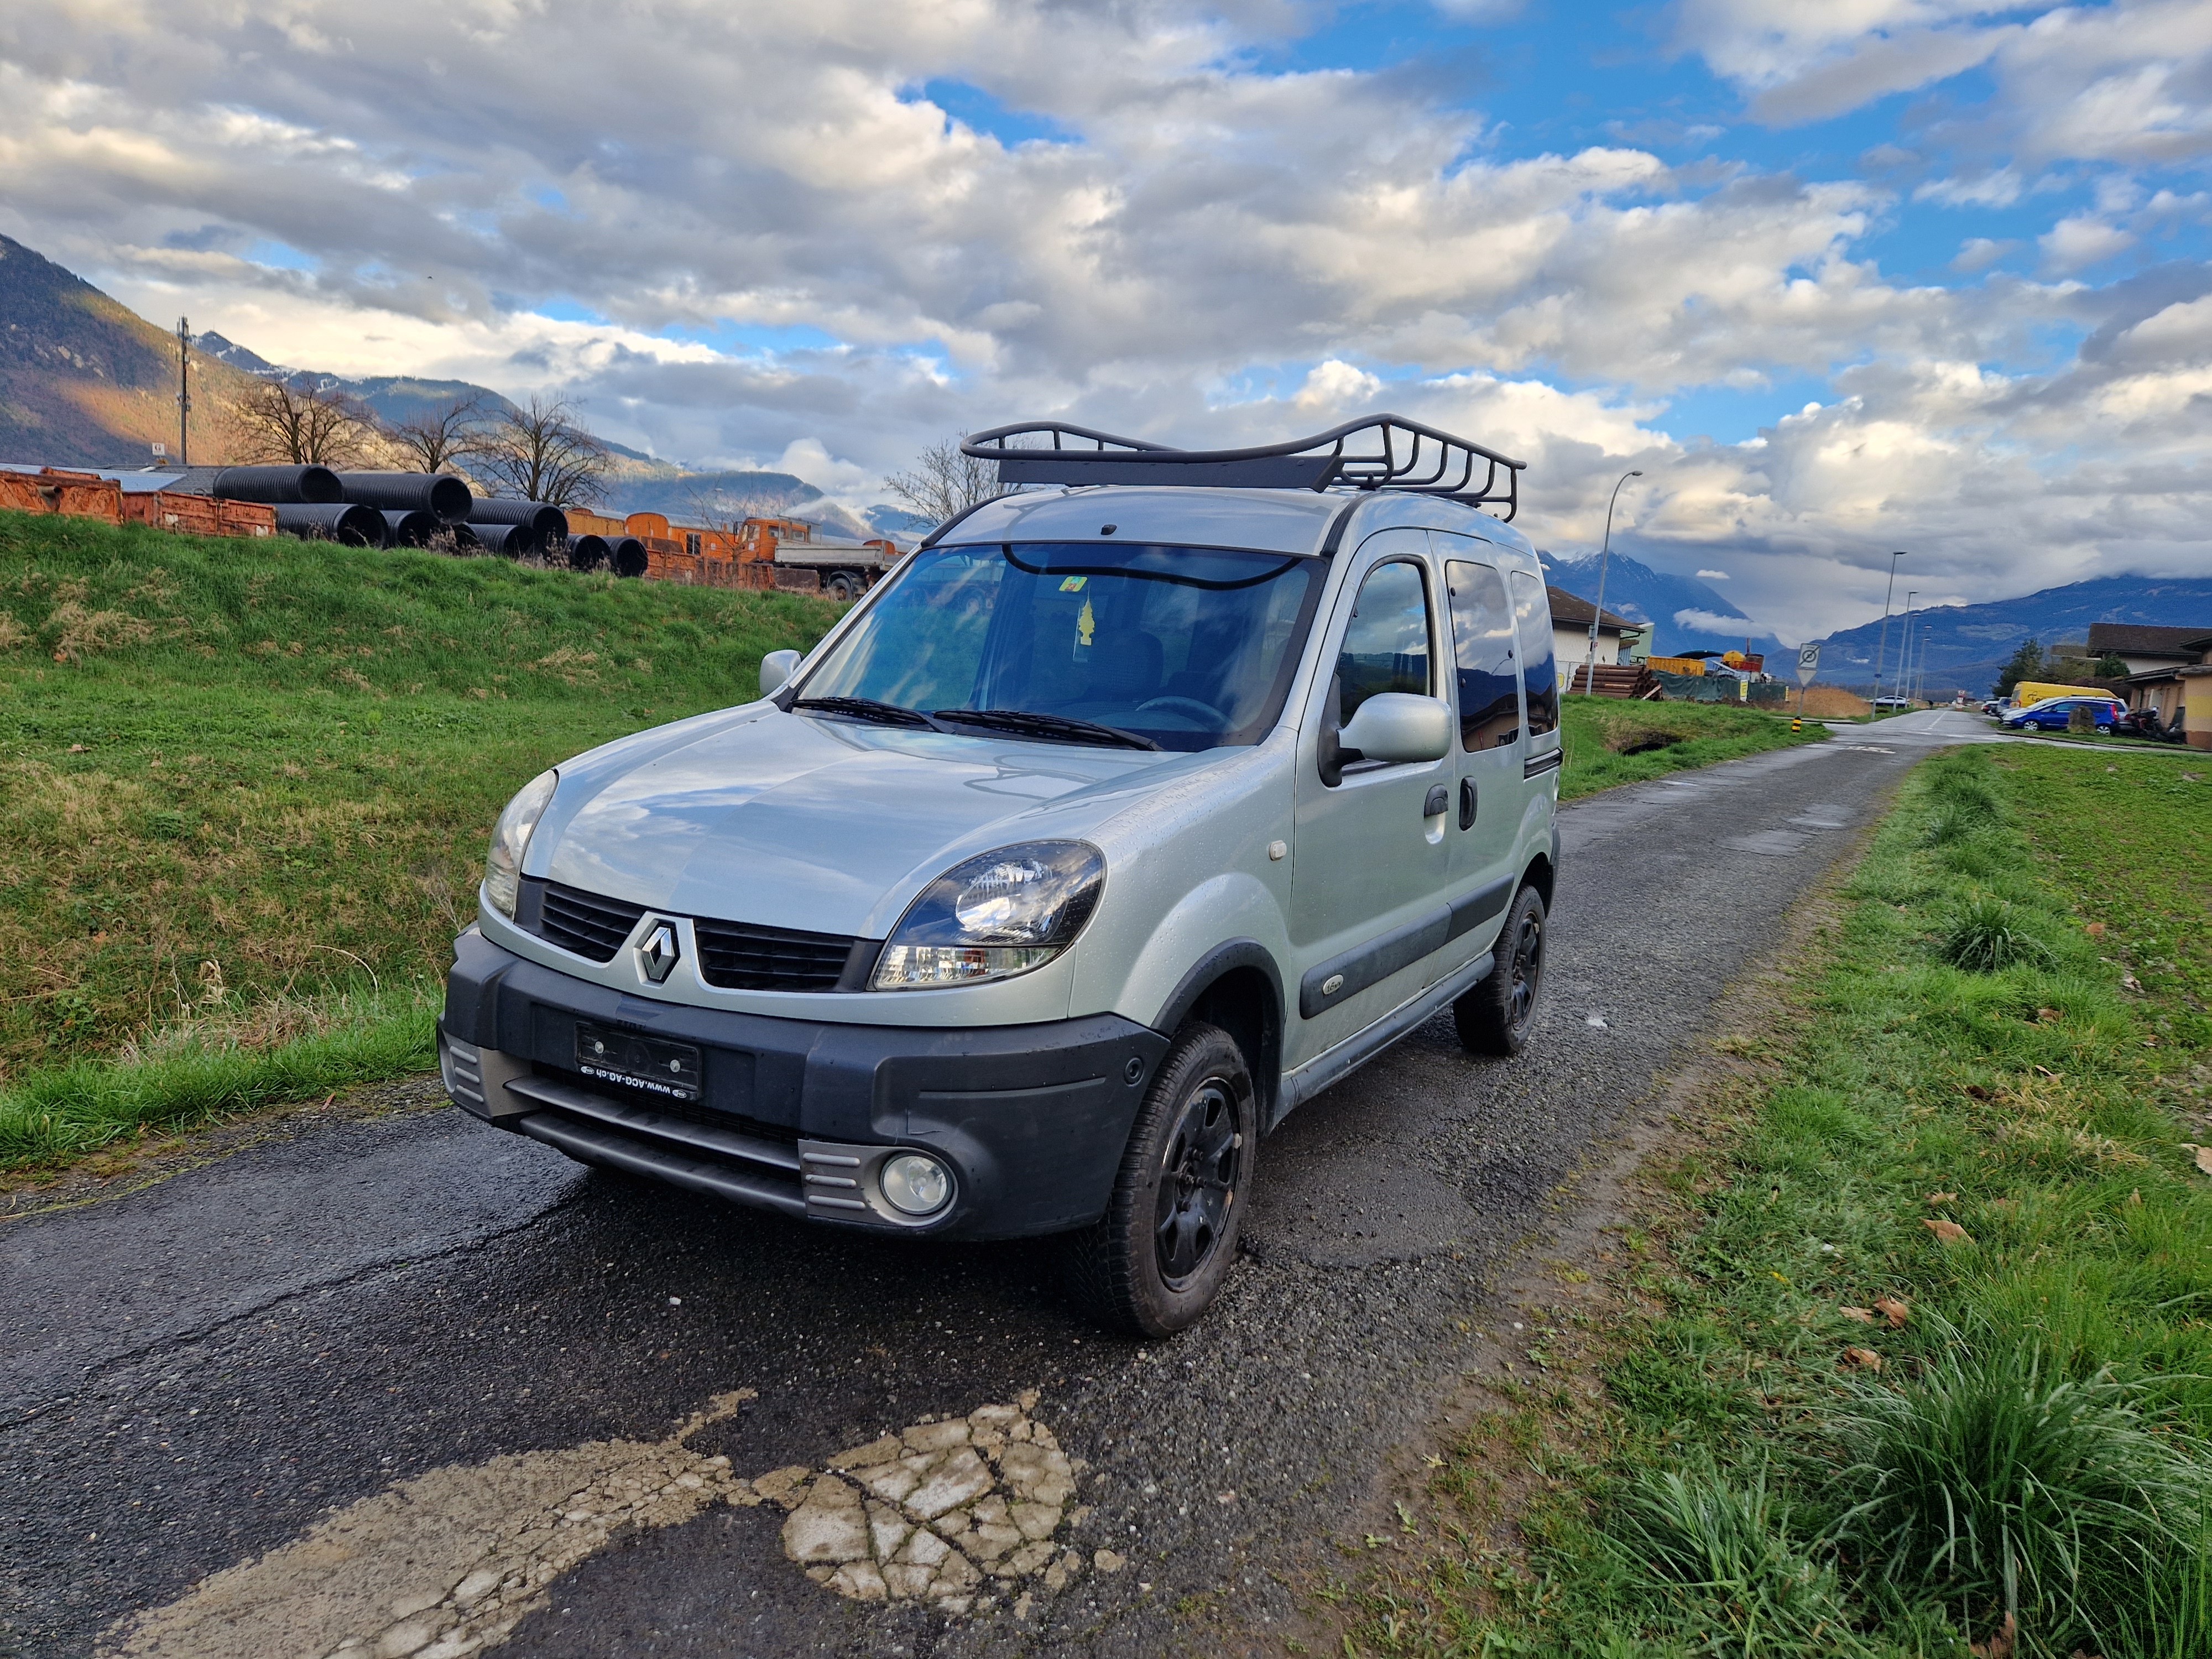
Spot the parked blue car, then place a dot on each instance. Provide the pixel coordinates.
(2054, 713)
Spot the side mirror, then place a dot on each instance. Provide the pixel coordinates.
(1398, 727)
(777, 667)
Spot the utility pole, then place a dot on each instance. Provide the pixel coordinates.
(184, 392)
(1605, 558)
(1905, 650)
(1881, 651)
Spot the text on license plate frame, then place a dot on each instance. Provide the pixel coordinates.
(672, 1070)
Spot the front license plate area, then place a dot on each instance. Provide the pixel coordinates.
(672, 1070)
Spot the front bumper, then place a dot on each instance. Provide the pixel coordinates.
(799, 1116)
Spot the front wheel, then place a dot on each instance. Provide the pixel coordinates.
(1496, 1017)
(1153, 1262)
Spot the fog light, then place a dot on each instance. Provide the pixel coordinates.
(915, 1183)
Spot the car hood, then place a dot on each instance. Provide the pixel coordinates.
(824, 825)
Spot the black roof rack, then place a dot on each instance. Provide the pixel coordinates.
(1396, 454)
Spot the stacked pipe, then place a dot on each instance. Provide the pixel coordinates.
(520, 527)
(407, 509)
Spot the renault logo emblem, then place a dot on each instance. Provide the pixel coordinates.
(656, 954)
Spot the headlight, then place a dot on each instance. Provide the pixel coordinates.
(995, 916)
(510, 837)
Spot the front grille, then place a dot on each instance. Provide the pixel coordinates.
(733, 956)
(738, 956)
(586, 923)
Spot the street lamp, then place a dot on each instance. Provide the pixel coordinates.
(1882, 650)
(1604, 559)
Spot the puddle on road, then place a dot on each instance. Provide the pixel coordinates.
(959, 1514)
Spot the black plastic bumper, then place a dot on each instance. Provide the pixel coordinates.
(1032, 1119)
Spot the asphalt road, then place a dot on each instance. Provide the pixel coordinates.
(192, 1375)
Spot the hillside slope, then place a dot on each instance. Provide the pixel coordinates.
(85, 380)
(1967, 644)
(238, 779)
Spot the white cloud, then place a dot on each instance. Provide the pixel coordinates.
(1711, 622)
(2000, 188)
(2073, 244)
(1712, 575)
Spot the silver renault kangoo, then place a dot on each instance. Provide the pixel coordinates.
(1137, 805)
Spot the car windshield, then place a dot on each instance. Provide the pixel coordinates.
(1176, 647)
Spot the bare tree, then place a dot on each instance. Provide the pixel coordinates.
(300, 422)
(945, 482)
(437, 439)
(726, 509)
(541, 454)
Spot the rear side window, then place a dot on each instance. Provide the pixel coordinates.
(1532, 615)
(1386, 644)
(1482, 645)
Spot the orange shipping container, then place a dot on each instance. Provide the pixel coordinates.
(197, 515)
(18, 493)
(248, 519)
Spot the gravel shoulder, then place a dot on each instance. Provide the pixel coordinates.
(192, 1375)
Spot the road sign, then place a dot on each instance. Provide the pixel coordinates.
(1808, 661)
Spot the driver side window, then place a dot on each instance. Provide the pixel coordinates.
(1386, 644)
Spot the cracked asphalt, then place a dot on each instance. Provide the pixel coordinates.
(193, 1373)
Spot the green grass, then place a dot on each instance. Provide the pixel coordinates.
(245, 790)
(1599, 733)
(2034, 1445)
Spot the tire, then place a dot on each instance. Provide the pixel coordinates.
(1497, 1016)
(1154, 1262)
(841, 589)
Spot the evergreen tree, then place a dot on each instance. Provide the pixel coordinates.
(2027, 664)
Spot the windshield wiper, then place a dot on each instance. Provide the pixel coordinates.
(1024, 723)
(868, 708)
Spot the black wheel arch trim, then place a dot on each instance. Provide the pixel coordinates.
(1223, 959)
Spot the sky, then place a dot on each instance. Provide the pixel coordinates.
(1838, 277)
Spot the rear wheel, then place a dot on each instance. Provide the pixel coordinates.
(1153, 1262)
(1496, 1017)
(840, 588)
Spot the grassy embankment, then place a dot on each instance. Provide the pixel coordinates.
(244, 789)
(1610, 742)
(1920, 1358)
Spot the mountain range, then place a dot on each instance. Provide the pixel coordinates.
(1691, 614)
(84, 381)
(1966, 646)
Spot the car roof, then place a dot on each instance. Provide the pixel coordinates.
(1269, 520)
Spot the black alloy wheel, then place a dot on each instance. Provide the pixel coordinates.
(1497, 1015)
(1155, 1260)
(1198, 1182)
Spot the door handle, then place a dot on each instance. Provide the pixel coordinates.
(1467, 803)
(1437, 804)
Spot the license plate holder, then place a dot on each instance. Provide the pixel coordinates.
(670, 1070)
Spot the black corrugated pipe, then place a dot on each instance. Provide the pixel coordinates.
(587, 552)
(441, 493)
(321, 521)
(626, 555)
(465, 540)
(548, 525)
(279, 486)
(411, 528)
(509, 541)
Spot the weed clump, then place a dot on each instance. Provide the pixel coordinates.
(1998, 1482)
(1989, 934)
